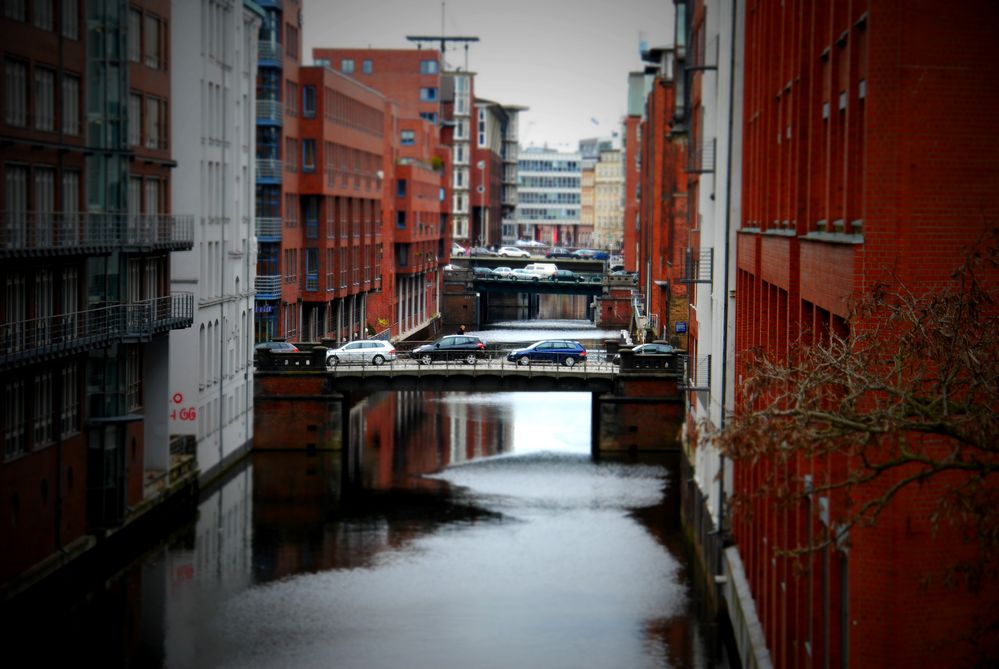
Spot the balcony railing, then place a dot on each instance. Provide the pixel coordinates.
(701, 155)
(270, 110)
(269, 51)
(31, 232)
(268, 229)
(269, 169)
(268, 287)
(696, 372)
(93, 328)
(698, 265)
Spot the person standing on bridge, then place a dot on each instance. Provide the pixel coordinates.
(461, 329)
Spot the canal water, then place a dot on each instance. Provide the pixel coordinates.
(477, 531)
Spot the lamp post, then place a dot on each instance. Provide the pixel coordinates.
(483, 218)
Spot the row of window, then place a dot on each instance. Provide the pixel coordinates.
(548, 182)
(528, 165)
(34, 104)
(42, 15)
(147, 39)
(355, 264)
(36, 408)
(348, 65)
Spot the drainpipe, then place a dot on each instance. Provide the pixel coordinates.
(725, 281)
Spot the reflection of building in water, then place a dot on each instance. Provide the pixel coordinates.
(410, 433)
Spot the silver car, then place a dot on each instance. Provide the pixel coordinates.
(364, 352)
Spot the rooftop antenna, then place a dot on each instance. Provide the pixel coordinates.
(443, 39)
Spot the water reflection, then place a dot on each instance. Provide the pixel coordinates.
(482, 535)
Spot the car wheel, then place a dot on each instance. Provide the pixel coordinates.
(569, 361)
(425, 359)
(524, 362)
(378, 361)
(470, 359)
(332, 361)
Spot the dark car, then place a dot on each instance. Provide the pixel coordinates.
(565, 275)
(481, 251)
(484, 273)
(274, 347)
(556, 351)
(590, 254)
(466, 348)
(559, 252)
(655, 348)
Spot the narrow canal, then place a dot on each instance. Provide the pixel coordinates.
(481, 533)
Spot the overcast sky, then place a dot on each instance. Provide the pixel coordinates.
(568, 60)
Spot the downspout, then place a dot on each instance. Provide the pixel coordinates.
(725, 281)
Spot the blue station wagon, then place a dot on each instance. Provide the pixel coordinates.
(556, 351)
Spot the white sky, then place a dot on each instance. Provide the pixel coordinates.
(568, 60)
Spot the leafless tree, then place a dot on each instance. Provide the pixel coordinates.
(910, 397)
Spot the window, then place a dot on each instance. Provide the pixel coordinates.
(134, 35)
(482, 127)
(407, 138)
(461, 129)
(400, 219)
(400, 187)
(291, 40)
(41, 11)
(13, 410)
(309, 101)
(151, 52)
(291, 154)
(367, 66)
(133, 378)
(291, 98)
(152, 124)
(13, 9)
(70, 104)
(70, 19)
(347, 66)
(44, 99)
(429, 116)
(428, 94)
(134, 119)
(308, 155)
(16, 93)
(69, 418)
(429, 67)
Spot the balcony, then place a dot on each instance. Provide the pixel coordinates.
(701, 155)
(269, 54)
(268, 287)
(268, 229)
(698, 266)
(79, 331)
(269, 170)
(29, 233)
(696, 372)
(270, 112)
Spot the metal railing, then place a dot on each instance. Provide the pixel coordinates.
(701, 155)
(268, 286)
(34, 231)
(268, 227)
(269, 168)
(269, 50)
(698, 265)
(95, 327)
(270, 110)
(696, 372)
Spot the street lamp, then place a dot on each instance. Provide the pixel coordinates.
(483, 213)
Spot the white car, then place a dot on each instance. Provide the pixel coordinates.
(364, 352)
(502, 272)
(458, 250)
(513, 252)
(521, 274)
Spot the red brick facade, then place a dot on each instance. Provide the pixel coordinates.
(870, 153)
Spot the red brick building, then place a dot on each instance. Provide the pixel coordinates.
(870, 153)
(662, 206)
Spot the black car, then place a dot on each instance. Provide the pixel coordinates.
(559, 252)
(655, 348)
(466, 348)
(565, 275)
(484, 273)
(557, 351)
(482, 251)
(273, 347)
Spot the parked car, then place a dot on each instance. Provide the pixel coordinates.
(458, 250)
(513, 252)
(590, 254)
(594, 278)
(654, 348)
(529, 242)
(556, 351)
(559, 252)
(565, 275)
(481, 251)
(542, 269)
(524, 274)
(274, 347)
(482, 273)
(366, 352)
(502, 272)
(466, 348)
